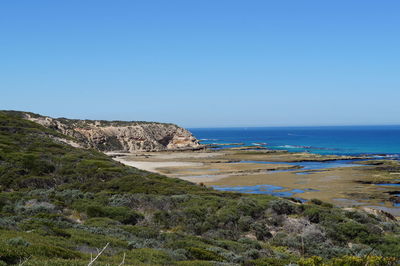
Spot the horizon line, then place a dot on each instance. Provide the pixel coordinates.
(292, 126)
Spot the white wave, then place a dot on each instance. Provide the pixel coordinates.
(291, 147)
(259, 143)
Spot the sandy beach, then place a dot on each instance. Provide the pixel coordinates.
(154, 166)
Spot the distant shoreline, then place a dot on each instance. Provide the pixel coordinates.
(350, 140)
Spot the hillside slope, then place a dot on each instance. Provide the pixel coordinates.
(59, 204)
(120, 136)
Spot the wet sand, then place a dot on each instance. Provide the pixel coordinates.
(340, 186)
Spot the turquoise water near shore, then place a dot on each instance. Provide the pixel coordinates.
(381, 141)
(341, 140)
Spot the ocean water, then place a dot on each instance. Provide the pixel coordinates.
(341, 140)
(382, 141)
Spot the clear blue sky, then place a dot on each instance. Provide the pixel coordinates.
(203, 63)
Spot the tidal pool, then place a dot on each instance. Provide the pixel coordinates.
(395, 204)
(314, 165)
(389, 184)
(264, 189)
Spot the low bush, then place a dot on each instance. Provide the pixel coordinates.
(144, 243)
(245, 222)
(101, 222)
(121, 214)
(353, 230)
(250, 243)
(150, 256)
(13, 254)
(281, 206)
(316, 201)
(261, 231)
(312, 261)
(142, 231)
(366, 260)
(18, 241)
(313, 214)
(43, 227)
(202, 254)
(51, 251)
(267, 262)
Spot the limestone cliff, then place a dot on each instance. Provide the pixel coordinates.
(121, 136)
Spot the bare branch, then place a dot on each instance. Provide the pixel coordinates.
(123, 260)
(23, 262)
(98, 255)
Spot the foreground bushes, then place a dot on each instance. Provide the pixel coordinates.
(218, 234)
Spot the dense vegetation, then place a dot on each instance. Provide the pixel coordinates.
(59, 205)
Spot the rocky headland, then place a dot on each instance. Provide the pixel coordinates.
(120, 136)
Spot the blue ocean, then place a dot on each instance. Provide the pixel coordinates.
(341, 140)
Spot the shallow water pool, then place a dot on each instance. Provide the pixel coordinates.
(314, 165)
(264, 189)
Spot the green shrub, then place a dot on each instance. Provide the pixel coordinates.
(249, 207)
(144, 243)
(312, 261)
(316, 201)
(261, 231)
(282, 206)
(235, 246)
(313, 214)
(361, 261)
(390, 246)
(18, 241)
(3, 201)
(267, 262)
(196, 263)
(150, 256)
(12, 254)
(9, 222)
(43, 227)
(361, 217)
(43, 250)
(250, 243)
(353, 230)
(142, 231)
(121, 214)
(177, 254)
(34, 206)
(245, 222)
(276, 220)
(101, 222)
(203, 254)
(97, 238)
(69, 195)
(162, 218)
(174, 242)
(252, 254)
(55, 262)
(327, 205)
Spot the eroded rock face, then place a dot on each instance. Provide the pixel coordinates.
(121, 136)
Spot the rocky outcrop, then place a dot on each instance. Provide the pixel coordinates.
(121, 136)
